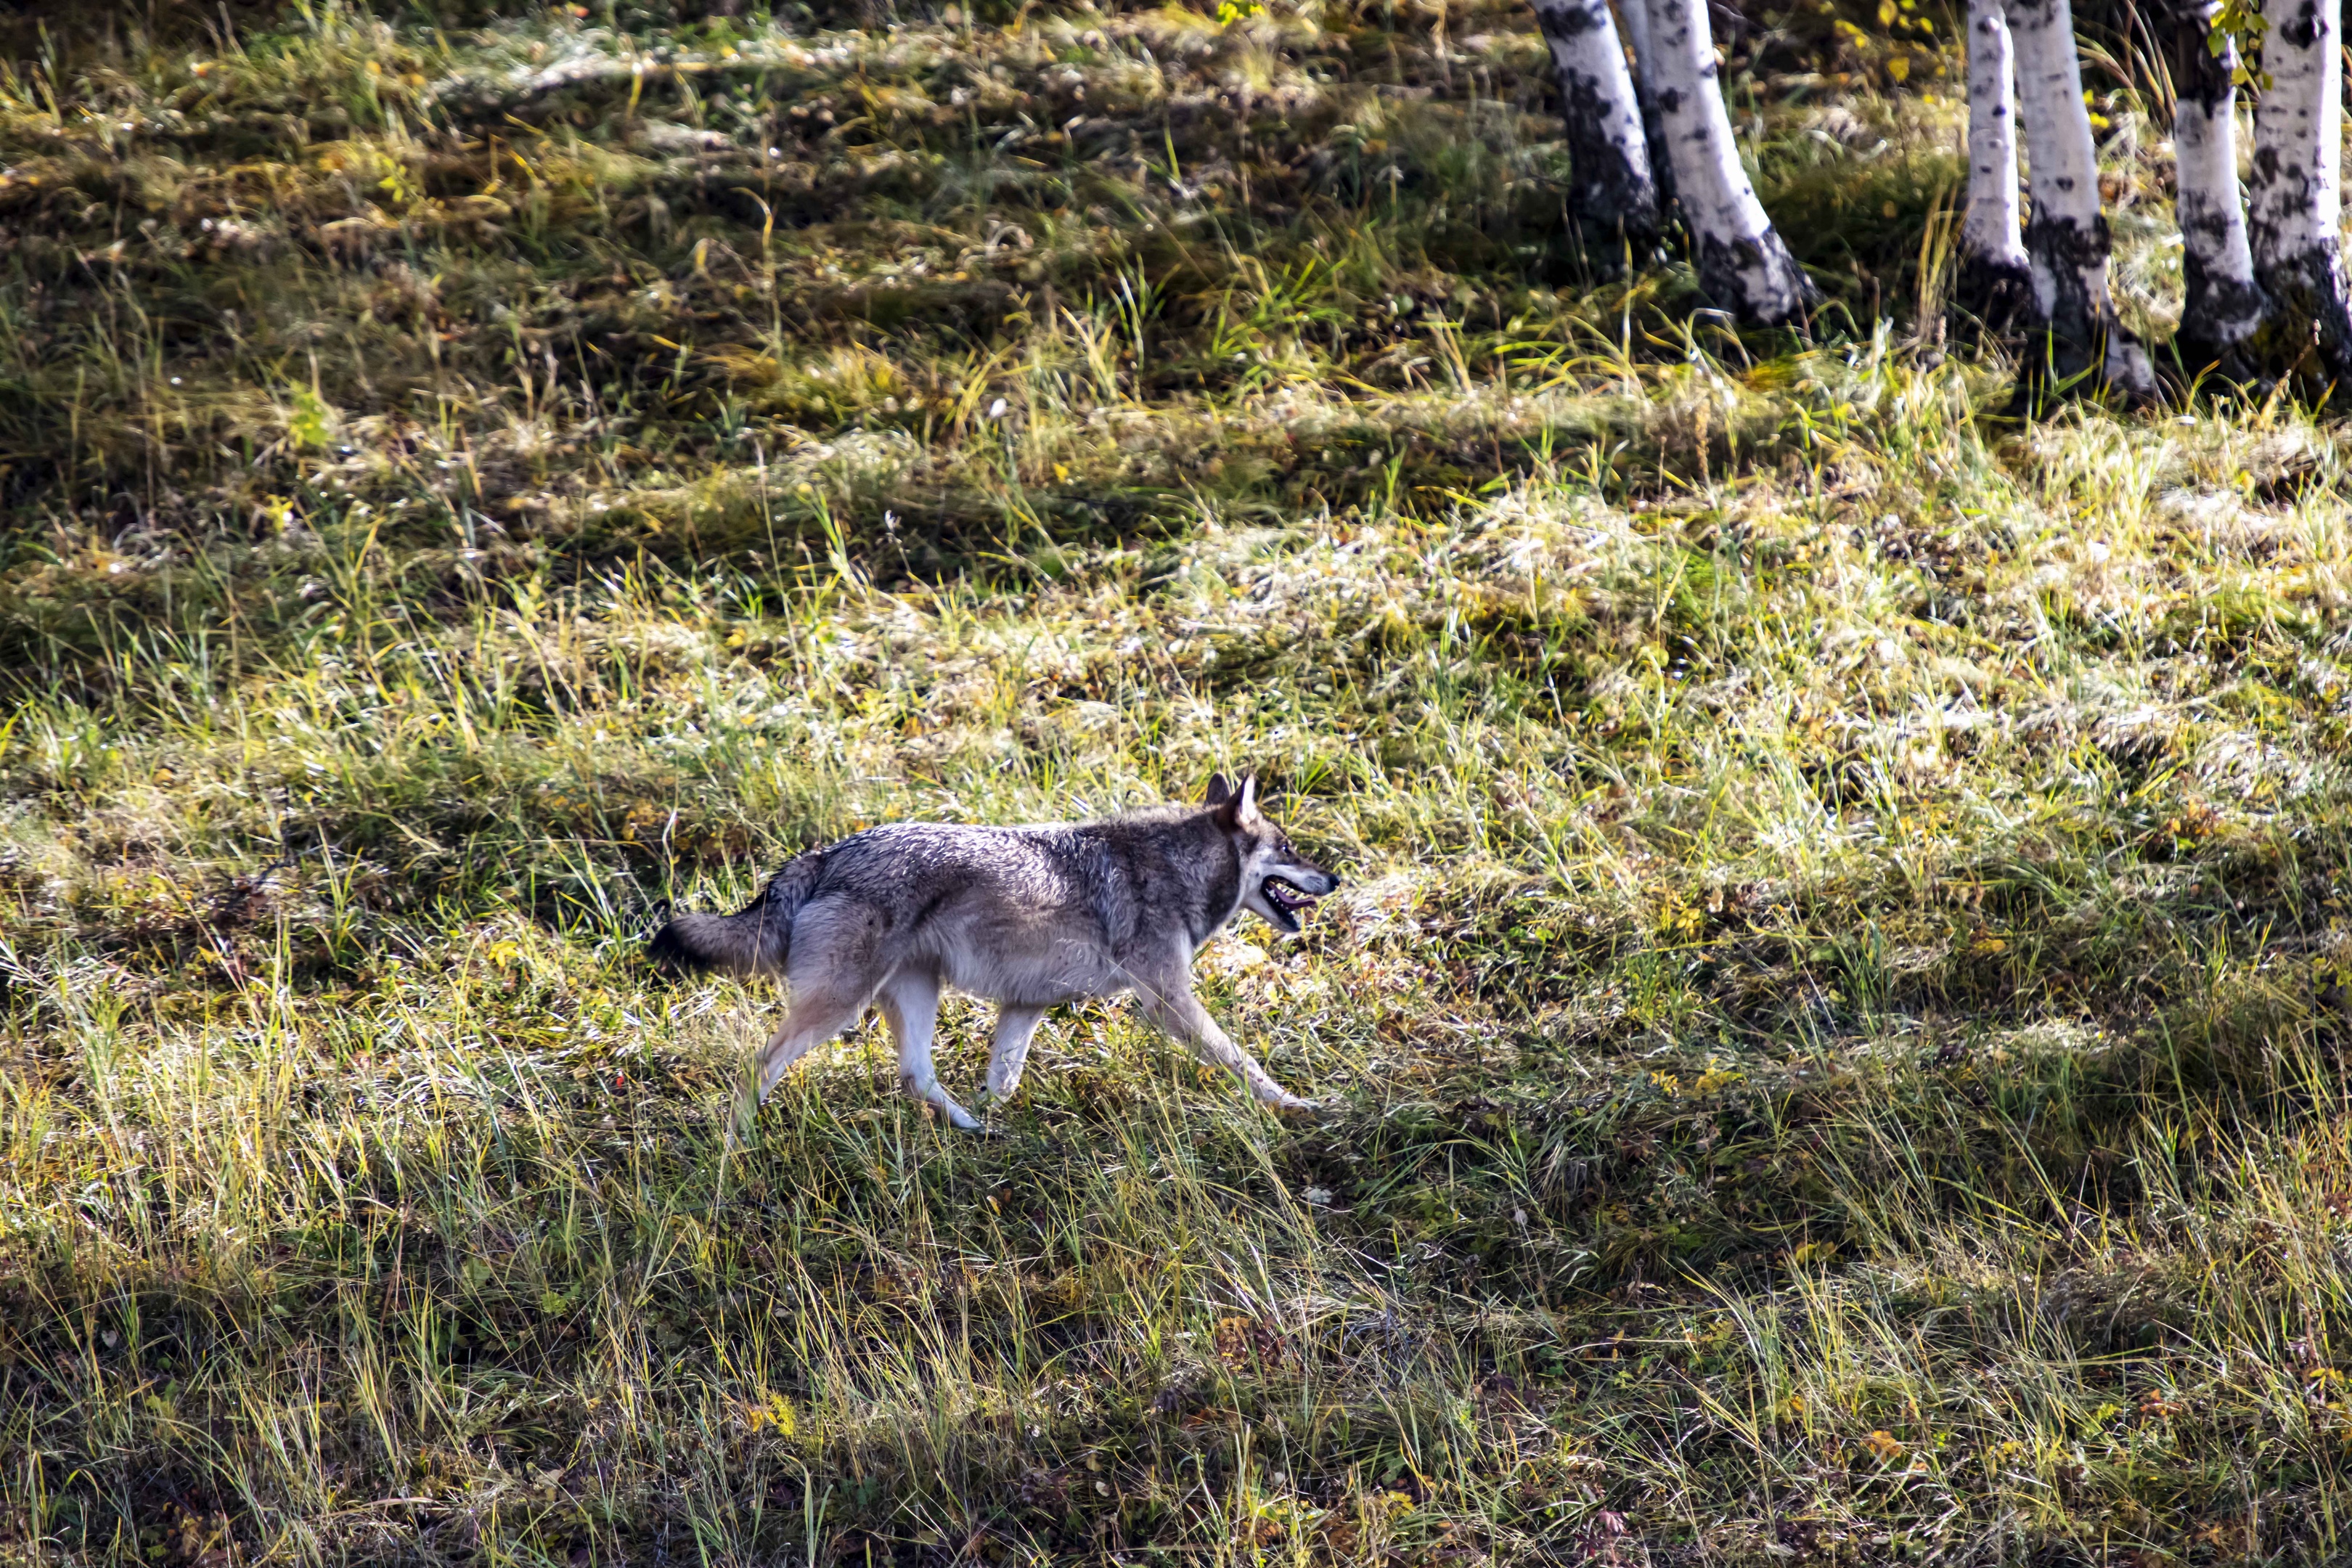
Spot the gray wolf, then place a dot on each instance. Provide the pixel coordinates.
(1029, 917)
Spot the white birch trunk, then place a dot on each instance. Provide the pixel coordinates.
(1995, 280)
(1633, 21)
(1743, 265)
(2297, 199)
(2223, 305)
(2066, 241)
(1613, 190)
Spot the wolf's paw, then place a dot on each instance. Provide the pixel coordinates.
(957, 1117)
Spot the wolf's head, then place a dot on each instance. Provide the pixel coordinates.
(1277, 882)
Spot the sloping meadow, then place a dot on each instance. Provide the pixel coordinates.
(1831, 1040)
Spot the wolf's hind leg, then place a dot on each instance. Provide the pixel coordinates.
(815, 1017)
(1177, 1012)
(911, 1004)
(1015, 1025)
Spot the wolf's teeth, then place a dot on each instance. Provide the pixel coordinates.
(1286, 897)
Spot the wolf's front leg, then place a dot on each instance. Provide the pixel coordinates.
(1015, 1025)
(911, 1004)
(1177, 1012)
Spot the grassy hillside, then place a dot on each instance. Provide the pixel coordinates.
(1833, 1035)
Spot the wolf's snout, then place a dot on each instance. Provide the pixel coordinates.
(1293, 889)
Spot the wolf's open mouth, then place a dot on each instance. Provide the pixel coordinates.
(1285, 898)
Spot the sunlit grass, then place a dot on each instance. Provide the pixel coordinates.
(1833, 1029)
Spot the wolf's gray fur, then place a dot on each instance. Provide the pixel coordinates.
(1028, 917)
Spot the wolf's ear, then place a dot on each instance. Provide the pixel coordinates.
(1246, 804)
(1219, 792)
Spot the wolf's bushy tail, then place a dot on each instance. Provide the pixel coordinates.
(756, 941)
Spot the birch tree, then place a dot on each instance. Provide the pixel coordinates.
(2082, 343)
(1612, 188)
(2296, 196)
(2223, 305)
(1995, 279)
(1743, 265)
(1633, 21)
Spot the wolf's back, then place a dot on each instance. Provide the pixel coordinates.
(755, 941)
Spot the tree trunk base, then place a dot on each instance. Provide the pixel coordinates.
(1757, 281)
(1995, 293)
(2101, 362)
(2080, 349)
(2308, 334)
(2223, 326)
(2197, 362)
(1615, 251)
(2223, 323)
(1612, 193)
